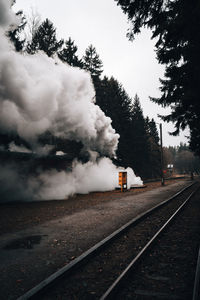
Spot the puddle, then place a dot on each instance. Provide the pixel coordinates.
(27, 242)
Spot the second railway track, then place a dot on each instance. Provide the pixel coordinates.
(91, 274)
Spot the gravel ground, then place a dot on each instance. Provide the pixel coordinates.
(40, 237)
(92, 279)
(168, 271)
(18, 216)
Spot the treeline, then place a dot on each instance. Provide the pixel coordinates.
(182, 158)
(139, 141)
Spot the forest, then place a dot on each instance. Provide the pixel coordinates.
(139, 143)
(180, 160)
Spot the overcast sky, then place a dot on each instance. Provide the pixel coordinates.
(103, 24)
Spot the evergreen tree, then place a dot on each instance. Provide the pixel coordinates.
(92, 62)
(176, 25)
(195, 139)
(68, 54)
(139, 140)
(116, 104)
(154, 155)
(45, 39)
(153, 130)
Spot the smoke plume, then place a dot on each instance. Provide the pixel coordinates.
(39, 94)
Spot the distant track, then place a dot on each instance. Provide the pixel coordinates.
(99, 252)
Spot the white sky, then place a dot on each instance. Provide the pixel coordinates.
(103, 24)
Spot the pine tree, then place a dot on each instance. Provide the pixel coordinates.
(139, 139)
(175, 25)
(68, 54)
(195, 139)
(92, 62)
(45, 39)
(154, 155)
(152, 130)
(116, 104)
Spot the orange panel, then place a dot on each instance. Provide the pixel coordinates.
(122, 178)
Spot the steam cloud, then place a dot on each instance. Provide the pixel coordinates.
(40, 94)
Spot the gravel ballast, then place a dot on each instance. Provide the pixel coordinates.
(38, 238)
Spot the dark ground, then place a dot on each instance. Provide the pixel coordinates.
(18, 216)
(40, 237)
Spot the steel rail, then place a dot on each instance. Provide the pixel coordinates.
(196, 289)
(94, 249)
(111, 291)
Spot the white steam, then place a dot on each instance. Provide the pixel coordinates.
(40, 94)
(85, 178)
(37, 95)
(7, 17)
(54, 185)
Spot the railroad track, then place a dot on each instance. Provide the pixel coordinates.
(102, 271)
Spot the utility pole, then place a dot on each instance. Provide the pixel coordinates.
(161, 157)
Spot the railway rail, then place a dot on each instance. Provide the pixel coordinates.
(101, 271)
